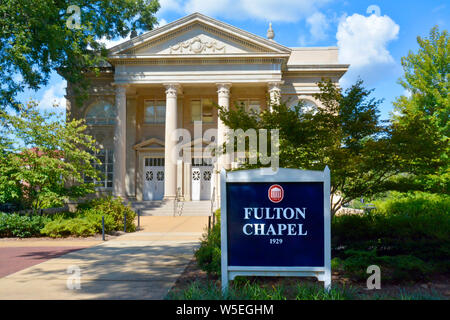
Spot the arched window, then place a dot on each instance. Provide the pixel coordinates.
(101, 113)
(308, 105)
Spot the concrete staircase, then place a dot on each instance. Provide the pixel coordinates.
(166, 208)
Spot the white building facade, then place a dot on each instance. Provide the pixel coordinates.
(171, 78)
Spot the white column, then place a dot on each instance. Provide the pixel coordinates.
(170, 168)
(120, 142)
(274, 93)
(224, 161)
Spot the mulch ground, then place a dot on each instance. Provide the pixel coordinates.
(439, 285)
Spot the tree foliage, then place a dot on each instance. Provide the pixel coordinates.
(43, 158)
(35, 39)
(345, 134)
(421, 120)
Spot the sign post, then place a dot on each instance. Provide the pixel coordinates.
(275, 224)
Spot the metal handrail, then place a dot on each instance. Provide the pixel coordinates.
(178, 204)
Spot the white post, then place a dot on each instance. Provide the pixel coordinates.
(223, 230)
(120, 142)
(327, 228)
(170, 168)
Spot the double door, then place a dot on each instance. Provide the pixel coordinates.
(153, 179)
(201, 182)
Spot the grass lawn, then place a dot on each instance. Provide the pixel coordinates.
(195, 284)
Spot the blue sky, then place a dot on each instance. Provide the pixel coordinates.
(372, 41)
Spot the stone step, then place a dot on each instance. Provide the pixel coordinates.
(166, 208)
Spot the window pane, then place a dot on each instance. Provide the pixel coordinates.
(242, 102)
(154, 111)
(160, 114)
(101, 113)
(254, 106)
(207, 106)
(196, 110)
(149, 111)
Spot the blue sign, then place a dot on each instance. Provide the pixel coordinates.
(275, 224)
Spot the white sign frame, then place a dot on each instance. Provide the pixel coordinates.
(280, 176)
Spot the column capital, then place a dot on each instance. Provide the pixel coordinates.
(223, 89)
(275, 85)
(172, 89)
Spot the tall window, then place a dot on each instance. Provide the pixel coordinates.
(251, 105)
(202, 110)
(106, 169)
(154, 111)
(102, 113)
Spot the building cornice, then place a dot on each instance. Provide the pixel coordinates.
(295, 70)
(199, 59)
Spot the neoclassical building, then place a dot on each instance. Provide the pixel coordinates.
(172, 77)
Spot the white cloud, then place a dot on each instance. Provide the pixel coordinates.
(161, 22)
(54, 95)
(170, 5)
(363, 42)
(282, 10)
(111, 43)
(303, 42)
(318, 26)
(268, 10)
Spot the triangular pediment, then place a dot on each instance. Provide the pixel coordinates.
(152, 143)
(198, 143)
(197, 34)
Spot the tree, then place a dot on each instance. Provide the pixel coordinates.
(44, 159)
(420, 124)
(345, 134)
(39, 36)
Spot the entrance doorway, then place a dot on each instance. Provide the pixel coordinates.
(153, 179)
(201, 177)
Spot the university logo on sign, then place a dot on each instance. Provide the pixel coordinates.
(276, 193)
(276, 225)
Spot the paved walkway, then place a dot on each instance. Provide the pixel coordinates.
(14, 258)
(141, 265)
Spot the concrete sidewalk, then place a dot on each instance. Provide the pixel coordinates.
(141, 265)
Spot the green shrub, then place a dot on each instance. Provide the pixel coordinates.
(407, 236)
(209, 255)
(414, 204)
(22, 226)
(87, 221)
(81, 227)
(95, 218)
(112, 208)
